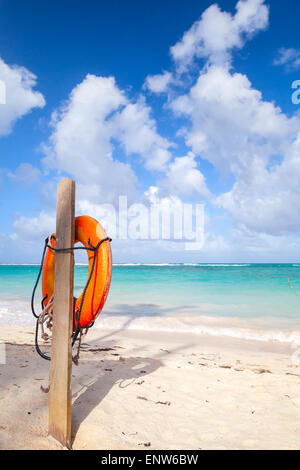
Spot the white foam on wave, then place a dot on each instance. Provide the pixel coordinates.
(221, 265)
(212, 326)
(19, 264)
(145, 264)
(18, 312)
(183, 264)
(15, 312)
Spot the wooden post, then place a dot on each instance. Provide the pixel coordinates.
(60, 404)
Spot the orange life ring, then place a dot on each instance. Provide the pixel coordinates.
(87, 230)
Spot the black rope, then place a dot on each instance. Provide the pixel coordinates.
(78, 312)
(37, 280)
(43, 355)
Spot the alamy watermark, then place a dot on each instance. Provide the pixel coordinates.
(2, 353)
(296, 93)
(295, 357)
(163, 220)
(2, 92)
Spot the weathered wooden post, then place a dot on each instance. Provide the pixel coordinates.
(60, 403)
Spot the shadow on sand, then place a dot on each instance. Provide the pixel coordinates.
(111, 369)
(25, 370)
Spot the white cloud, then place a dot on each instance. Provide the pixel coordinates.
(240, 133)
(266, 200)
(158, 83)
(217, 33)
(26, 174)
(227, 122)
(267, 246)
(20, 97)
(230, 122)
(80, 143)
(85, 129)
(234, 128)
(25, 244)
(136, 131)
(34, 228)
(184, 179)
(290, 58)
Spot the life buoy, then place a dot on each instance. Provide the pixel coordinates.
(89, 232)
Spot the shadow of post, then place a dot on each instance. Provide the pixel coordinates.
(112, 372)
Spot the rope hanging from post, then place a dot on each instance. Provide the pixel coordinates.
(46, 316)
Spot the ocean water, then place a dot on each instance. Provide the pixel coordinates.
(253, 301)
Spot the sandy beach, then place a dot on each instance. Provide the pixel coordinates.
(156, 390)
(149, 192)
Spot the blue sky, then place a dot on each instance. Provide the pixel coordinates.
(183, 102)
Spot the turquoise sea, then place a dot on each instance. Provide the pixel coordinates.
(247, 300)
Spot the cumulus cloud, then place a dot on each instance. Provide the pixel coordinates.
(26, 242)
(289, 57)
(234, 128)
(217, 33)
(226, 121)
(158, 83)
(34, 228)
(268, 247)
(87, 127)
(80, 143)
(252, 139)
(20, 97)
(183, 178)
(266, 200)
(137, 133)
(230, 121)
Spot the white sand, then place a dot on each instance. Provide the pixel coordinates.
(170, 390)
